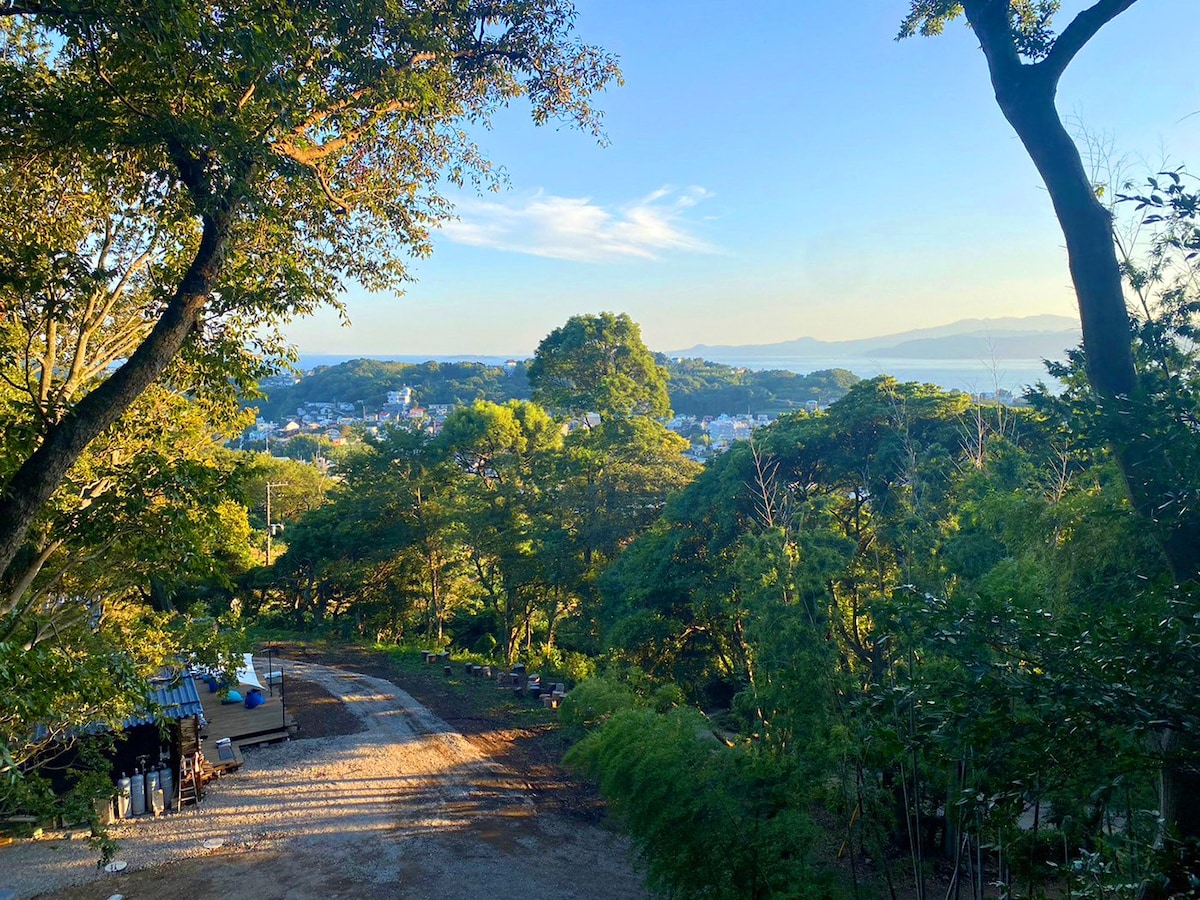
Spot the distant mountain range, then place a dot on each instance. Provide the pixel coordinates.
(970, 354)
(1009, 338)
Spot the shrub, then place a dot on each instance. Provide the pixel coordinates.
(710, 821)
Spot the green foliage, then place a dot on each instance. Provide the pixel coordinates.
(595, 701)
(218, 173)
(932, 611)
(555, 663)
(490, 534)
(366, 382)
(710, 821)
(598, 364)
(307, 447)
(698, 388)
(1028, 20)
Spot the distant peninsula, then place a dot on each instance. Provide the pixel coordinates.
(1007, 338)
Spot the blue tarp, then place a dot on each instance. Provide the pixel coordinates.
(174, 699)
(177, 700)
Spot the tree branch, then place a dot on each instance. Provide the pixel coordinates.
(1081, 30)
(33, 8)
(307, 156)
(342, 207)
(26, 580)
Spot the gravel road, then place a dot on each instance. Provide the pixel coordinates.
(405, 808)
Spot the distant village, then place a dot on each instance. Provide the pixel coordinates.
(340, 423)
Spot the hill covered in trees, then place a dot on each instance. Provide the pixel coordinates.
(699, 388)
(696, 387)
(367, 381)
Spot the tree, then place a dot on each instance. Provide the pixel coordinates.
(1026, 59)
(249, 159)
(940, 635)
(598, 364)
(147, 523)
(503, 452)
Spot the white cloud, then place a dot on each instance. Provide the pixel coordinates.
(577, 228)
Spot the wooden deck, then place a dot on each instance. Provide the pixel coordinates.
(261, 725)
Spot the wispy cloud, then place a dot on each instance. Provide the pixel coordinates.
(577, 228)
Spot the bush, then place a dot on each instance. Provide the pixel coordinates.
(710, 821)
(594, 702)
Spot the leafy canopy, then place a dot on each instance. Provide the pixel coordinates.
(1029, 21)
(326, 125)
(227, 166)
(598, 364)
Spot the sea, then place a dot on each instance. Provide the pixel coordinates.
(973, 376)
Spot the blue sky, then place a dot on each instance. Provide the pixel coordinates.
(776, 170)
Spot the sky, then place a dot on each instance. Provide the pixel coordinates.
(777, 169)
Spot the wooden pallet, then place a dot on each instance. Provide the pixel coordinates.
(271, 738)
(225, 759)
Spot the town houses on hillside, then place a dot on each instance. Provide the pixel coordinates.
(339, 422)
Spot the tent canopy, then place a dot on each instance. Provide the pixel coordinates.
(246, 674)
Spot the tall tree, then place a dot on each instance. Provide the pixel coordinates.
(503, 451)
(1026, 60)
(598, 364)
(255, 156)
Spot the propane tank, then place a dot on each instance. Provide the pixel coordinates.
(151, 791)
(138, 786)
(123, 796)
(167, 782)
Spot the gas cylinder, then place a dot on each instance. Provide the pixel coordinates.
(138, 787)
(167, 782)
(123, 796)
(151, 790)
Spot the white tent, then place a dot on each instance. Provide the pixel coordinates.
(246, 674)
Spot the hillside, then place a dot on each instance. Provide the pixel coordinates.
(696, 387)
(366, 382)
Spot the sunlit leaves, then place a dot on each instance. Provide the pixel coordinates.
(598, 364)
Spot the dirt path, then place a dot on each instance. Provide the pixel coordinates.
(406, 807)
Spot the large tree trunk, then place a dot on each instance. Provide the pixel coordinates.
(38, 477)
(1025, 94)
(1028, 104)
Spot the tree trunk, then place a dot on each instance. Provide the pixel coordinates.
(1025, 94)
(1028, 104)
(40, 475)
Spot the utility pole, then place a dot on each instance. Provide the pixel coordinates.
(270, 524)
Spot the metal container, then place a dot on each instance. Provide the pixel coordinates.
(151, 790)
(167, 781)
(124, 790)
(138, 798)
